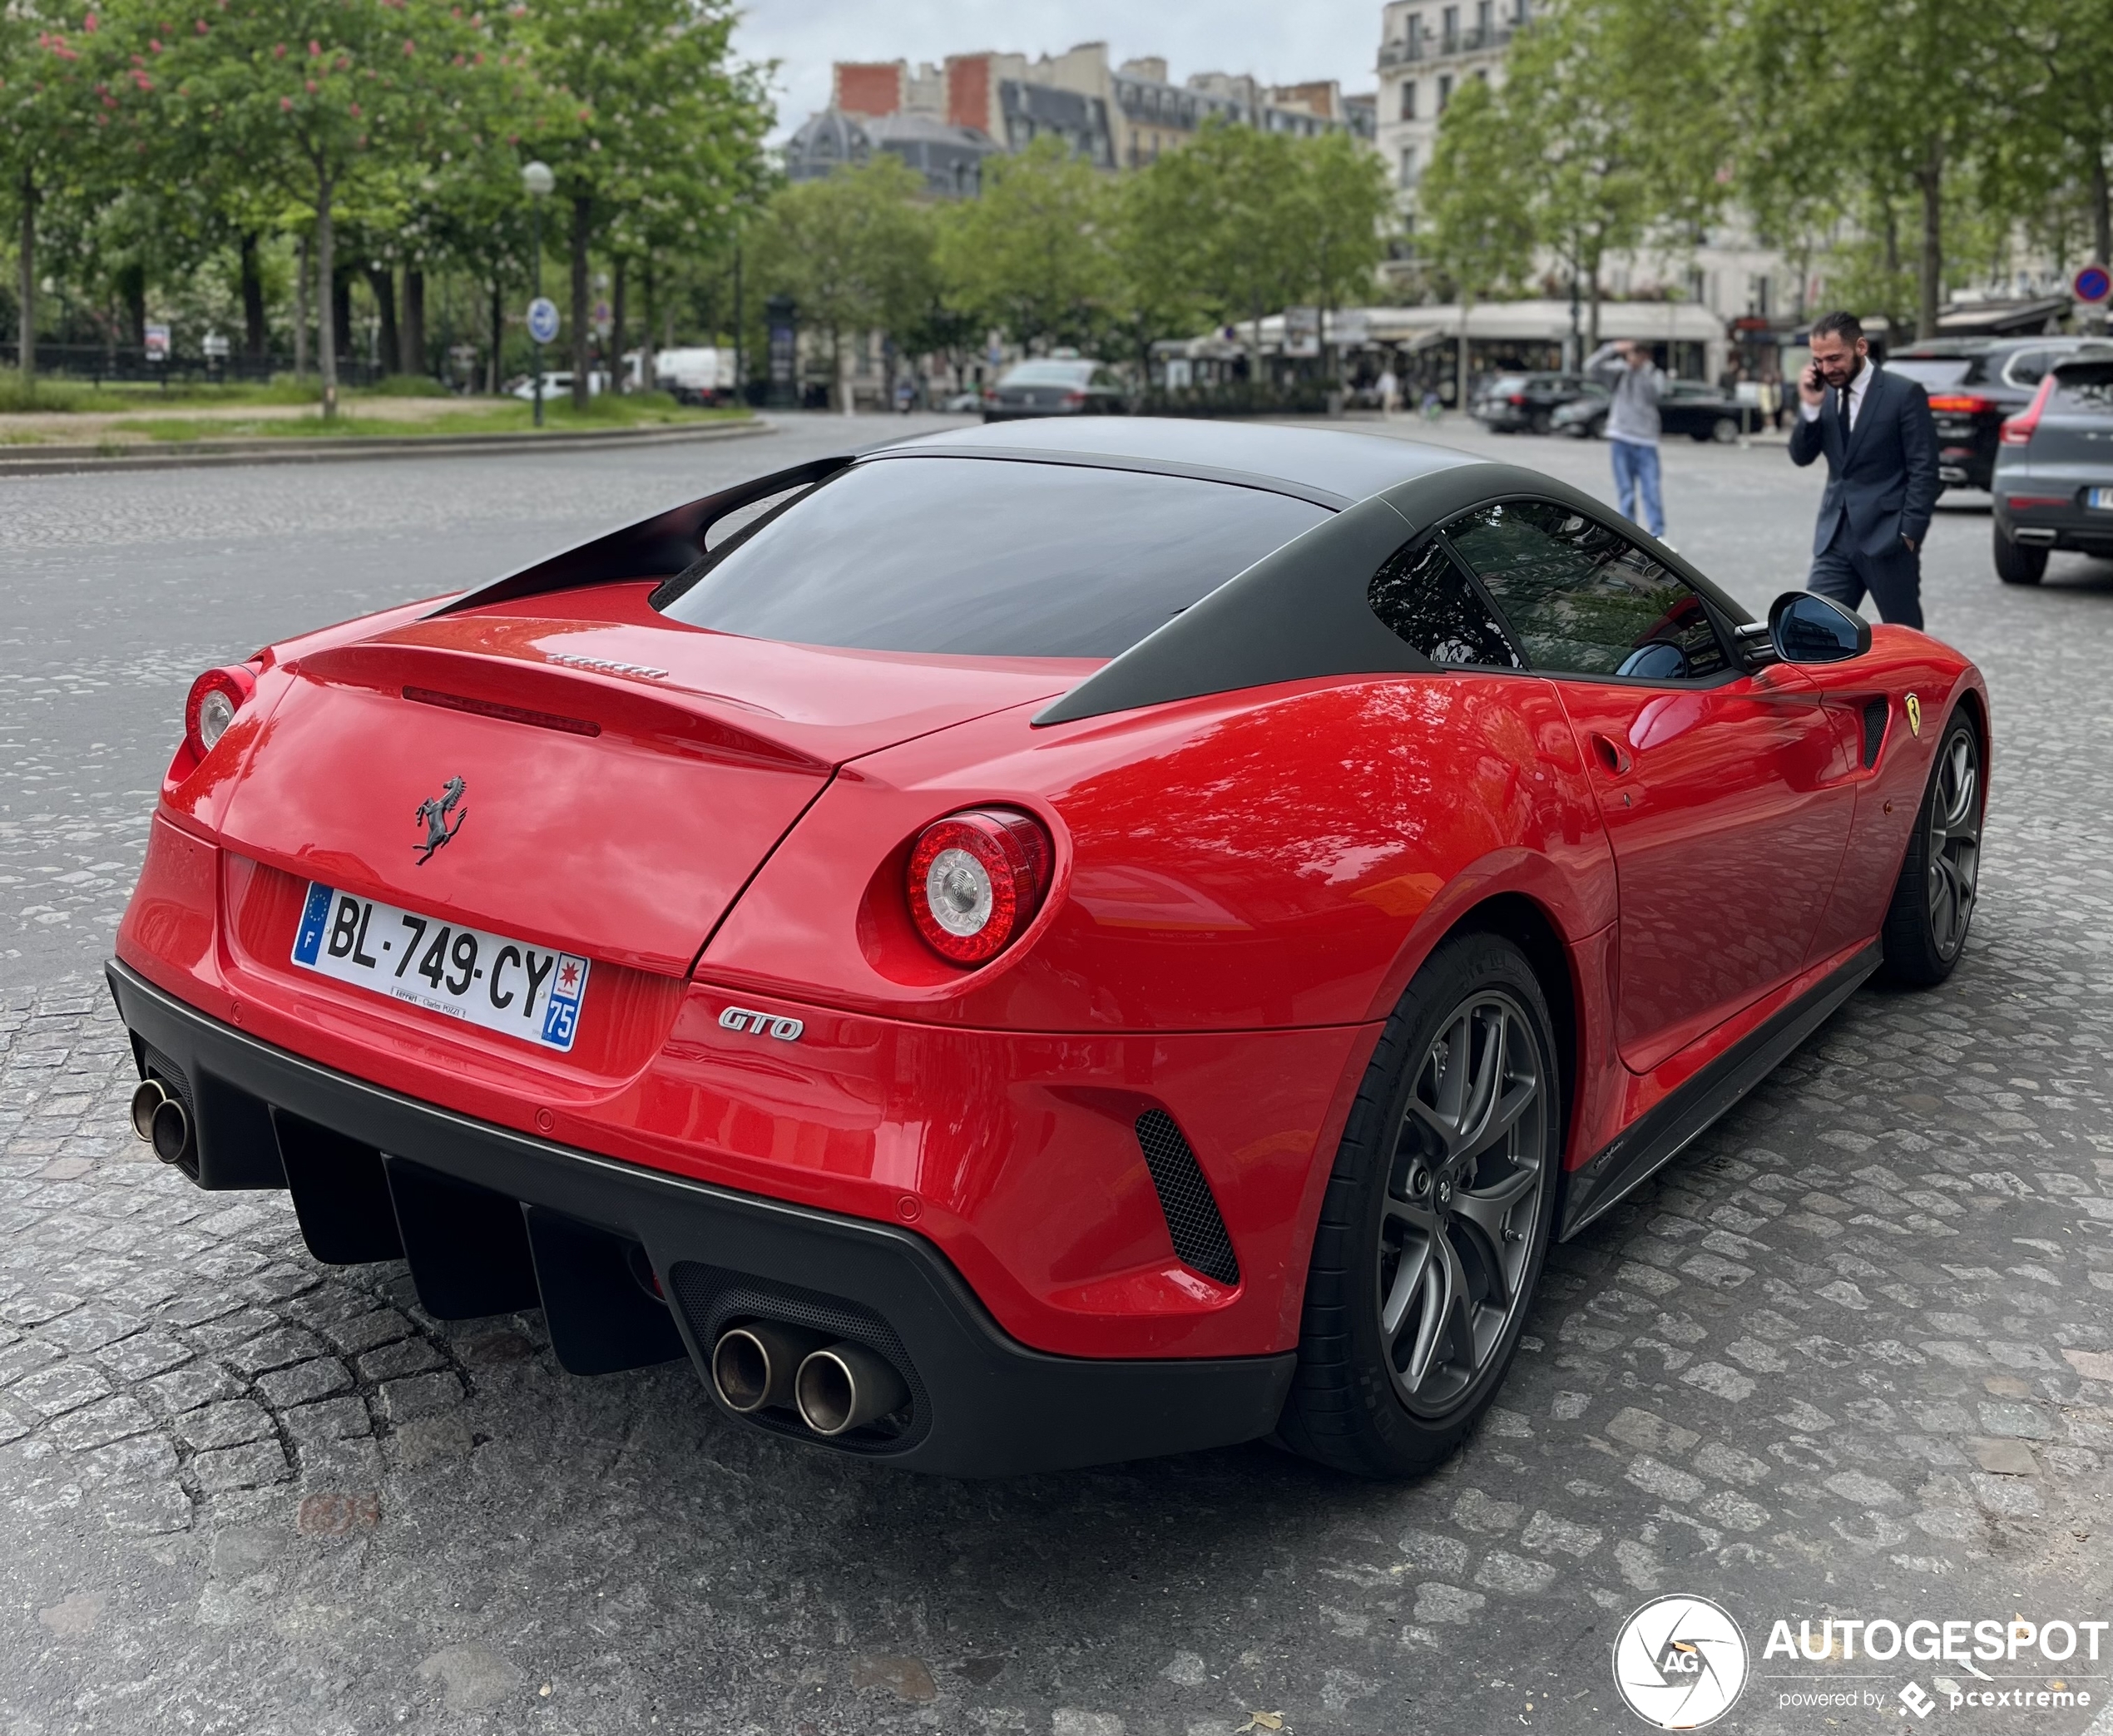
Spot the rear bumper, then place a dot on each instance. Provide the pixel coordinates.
(493, 1220)
(2071, 527)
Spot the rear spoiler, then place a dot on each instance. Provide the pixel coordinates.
(657, 547)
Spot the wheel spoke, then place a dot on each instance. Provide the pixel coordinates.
(1408, 1279)
(1446, 1133)
(1488, 1209)
(1487, 1083)
(1514, 1104)
(1438, 1288)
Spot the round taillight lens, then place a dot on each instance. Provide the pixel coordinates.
(216, 697)
(975, 881)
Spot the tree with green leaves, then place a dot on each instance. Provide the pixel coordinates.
(1468, 233)
(856, 252)
(1034, 255)
(654, 120)
(319, 97)
(1341, 208)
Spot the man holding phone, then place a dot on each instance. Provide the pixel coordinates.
(1875, 431)
(1635, 383)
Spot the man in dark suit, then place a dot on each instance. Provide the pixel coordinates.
(1875, 431)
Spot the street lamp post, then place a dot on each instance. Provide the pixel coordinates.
(539, 182)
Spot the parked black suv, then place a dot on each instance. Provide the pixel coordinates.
(1974, 383)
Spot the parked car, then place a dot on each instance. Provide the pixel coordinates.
(1688, 407)
(1056, 388)
(2053, 480)
(1513, 403)
(1974, 385)
(701, 375)
(959, 403)
(1054, 945)
(558, 382)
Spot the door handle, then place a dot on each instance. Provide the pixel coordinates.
(1612, 754)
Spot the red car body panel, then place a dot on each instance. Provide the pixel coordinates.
(1243, 886)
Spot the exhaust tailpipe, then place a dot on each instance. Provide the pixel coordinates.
(150, 1097)
(170, 1131)
(846, 1385)
(755, 1367)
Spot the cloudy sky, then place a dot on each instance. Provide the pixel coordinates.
(1282, 43)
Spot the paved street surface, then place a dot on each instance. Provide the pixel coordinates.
(1852, 1357)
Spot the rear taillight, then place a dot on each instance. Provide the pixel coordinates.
(975, 881)
(2016, 501)
(1517, 400)
(2017, 431)
(1074, 397)
(1962, 404)
(215, 698)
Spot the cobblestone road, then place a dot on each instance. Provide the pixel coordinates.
(1853, 1356)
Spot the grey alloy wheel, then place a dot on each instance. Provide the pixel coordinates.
(1954, 843)
(1463, 1196)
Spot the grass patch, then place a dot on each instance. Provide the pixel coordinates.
(651, 409)
(44, 395)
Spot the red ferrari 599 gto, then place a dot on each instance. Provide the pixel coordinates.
(1041, 945)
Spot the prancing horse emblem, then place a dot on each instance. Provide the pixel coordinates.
(433, 814)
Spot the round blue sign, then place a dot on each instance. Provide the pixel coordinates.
(542, 319)
(2093, 284)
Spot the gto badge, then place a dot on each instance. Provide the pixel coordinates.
(763, 1024)
(433, 814)
(1914, 716)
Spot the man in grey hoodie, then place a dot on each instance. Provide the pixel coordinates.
(1627, 371)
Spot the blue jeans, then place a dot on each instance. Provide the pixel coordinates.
(1635, 470)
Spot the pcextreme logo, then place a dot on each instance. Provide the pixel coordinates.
(1679, 1663)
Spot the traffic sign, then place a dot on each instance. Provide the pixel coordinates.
(2092, 284)
(542, 319)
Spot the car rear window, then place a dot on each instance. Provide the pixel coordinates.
(1931, 372)
(1049, 374)
(2084, 389)
(988, 558)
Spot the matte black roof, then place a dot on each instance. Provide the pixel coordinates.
(1329, 461)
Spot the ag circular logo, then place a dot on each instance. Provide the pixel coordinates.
(1679, 1663)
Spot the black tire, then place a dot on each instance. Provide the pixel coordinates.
(2016, 564)
(1724, 430)
(1933, 900)
(1540, 422)
(1391, 1405)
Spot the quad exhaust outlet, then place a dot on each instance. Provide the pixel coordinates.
(159, 1118)
(835, 1387)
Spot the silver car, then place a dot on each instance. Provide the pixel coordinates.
(2054, 472)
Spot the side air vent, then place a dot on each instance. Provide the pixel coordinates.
(1875, 713)
(1185, 1196)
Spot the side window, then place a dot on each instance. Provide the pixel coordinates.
(2029, 367)
(1582, 599)
(1422, 594)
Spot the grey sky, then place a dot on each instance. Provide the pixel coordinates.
(1281, 42)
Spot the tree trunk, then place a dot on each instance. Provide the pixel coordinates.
(301, 281)
(1930, 178)
(499, 334)
(326, 297)
(648, 374)
(617, 379)
(411, 337)
(256, 334)
(1592, 286)
(381, 280)
(2101, 216)
(25, 307)
(846, 399)
(132, 285)
(582, 312)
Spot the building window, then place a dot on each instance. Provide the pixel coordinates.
(1413, 30)
(1697, 283)
(1449, 22)
(1485, 20)
(1408, 166)
(1445, 91)
(1765, 296)
(1409, 99)
(1521, 12)
(1481, 75)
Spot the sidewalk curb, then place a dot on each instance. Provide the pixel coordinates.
(197, 454)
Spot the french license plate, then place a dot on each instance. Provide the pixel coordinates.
(505, 986)
(2100, 500)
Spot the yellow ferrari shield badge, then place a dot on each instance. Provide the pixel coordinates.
(1914, 714)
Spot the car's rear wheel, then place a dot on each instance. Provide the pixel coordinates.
(1541, 422)
(2016, 563)
(1724, 430)
(1933, 901)
(1436, 1221)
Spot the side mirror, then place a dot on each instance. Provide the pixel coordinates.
(1805, 628)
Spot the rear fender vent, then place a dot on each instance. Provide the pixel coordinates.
(1875, 714)
(1185, 1196)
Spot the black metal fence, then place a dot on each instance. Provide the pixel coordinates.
(98, 364)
